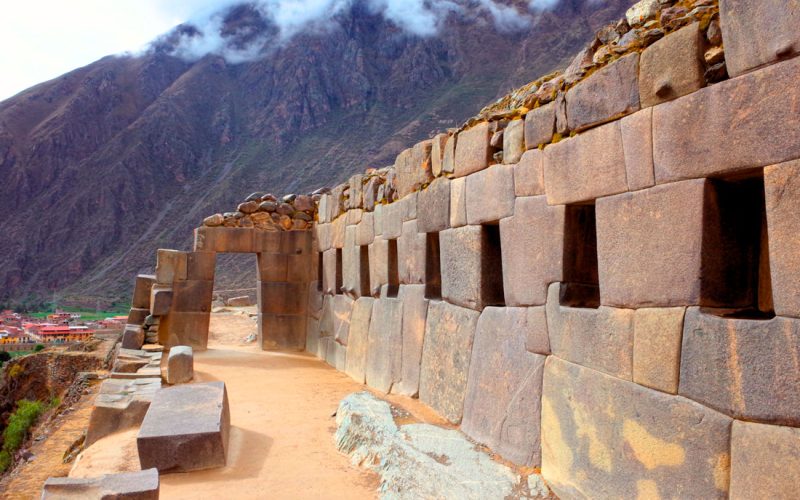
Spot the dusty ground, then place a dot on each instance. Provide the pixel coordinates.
(282, 426)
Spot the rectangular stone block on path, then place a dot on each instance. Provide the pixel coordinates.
(607, 438)
(758, 33)
(446, 356)
(180, 365)
(532, 249)
(502, 404)
(740, 115)
(358, 339)
(747, 369)
(186, 428)
(384, 344)
(139, 485)
(121, 404)
(617, 83)
(585, 167)
(765, 461)
(600, 338)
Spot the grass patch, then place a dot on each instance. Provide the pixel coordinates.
(19, 423)
(85, 315)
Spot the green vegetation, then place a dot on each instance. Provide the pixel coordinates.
(4, 356)
(19, 423)
(38, 348)
(85, 315)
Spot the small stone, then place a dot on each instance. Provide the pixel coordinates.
(304, 203)
(608, 34)
(214, 220)
(248, 207)
(717, 73)
(255, 196)
(299, 224)
(303, 216)
(246, 222)
(671, 17)
(268, 206)
(286, 222)
(714, 33)
(497, 140)
(289, 198)
(714, 55)
(285, 209)
(269, 197)
(642, 11)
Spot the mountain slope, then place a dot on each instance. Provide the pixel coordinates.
(103, 165)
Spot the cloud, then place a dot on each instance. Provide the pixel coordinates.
(422, 18)
(538, 5)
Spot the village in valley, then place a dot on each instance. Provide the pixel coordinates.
(21, 332)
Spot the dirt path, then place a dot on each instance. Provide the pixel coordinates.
(282, 426)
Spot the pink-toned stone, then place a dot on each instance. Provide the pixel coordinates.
(529, 174)
(637, 145)
(672, 67)
(490, 194)
(473, 152)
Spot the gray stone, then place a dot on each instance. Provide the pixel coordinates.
(502, 404)
(411, 254)
(446, 355)
(415, 310)
(540, 125)
(513, 141)
(782, 185)
(186, 428)
(121, 404)
(472, 276)
(433, 207)
(180, 365)
(600, 338)
(139, 485)
(358, 339)
(384, 353)
(657, 347)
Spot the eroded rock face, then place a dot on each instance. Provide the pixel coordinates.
(422, 460)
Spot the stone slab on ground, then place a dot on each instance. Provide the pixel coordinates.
(142, 485)
(423, 460)
(186, 428)
(180, 365)
(120, 405)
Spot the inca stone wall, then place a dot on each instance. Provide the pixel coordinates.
(599, 274)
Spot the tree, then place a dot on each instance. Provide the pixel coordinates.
(4, 356)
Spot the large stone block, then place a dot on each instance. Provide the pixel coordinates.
(585, 167)
(385, 344)
(139, 485)
(637, 144)
(315, 297)
(393, 220)
(657, 347)
(281, 331)
(473, 152)
(338, 232)
(411, 254)
(378, 265)
(170, 266)
(433, 207)
(351, 264)
(600, 338)
(758, 33)
(606, 438)
(446, 355)
(782, 185)
(329, 271)
(192, 296)
(365, 230)
(529, 174)
(201, 265)
(341, 309)
(186, 428)
(132, 337)
(649, 246)
(502, 403)
(312, 336)
(765, 461)
(224, 239)
(740, 115)
(747, 369)
(324, 236)
(358, 339)
(160, 300)
(449, 157)
(121, 404)
(141, 291)
(184, 328)
(136, 316)
(490, 194)
(533, 250)
(273, 267)
(672, 67)
(458, 202)
(472, 275)
(513, 141)
(355, 195)
(540, 125)
(437, 153)
(277, 241)
(617, 83)
(413, 167)
(415, 310)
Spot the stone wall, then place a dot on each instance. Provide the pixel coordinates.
(599, 273)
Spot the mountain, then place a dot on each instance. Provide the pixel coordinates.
(103, 165)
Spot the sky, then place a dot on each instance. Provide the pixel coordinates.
(43, 39)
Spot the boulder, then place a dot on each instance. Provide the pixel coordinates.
(242, 301)
(120, 404)
(186, 428)
(132, 337)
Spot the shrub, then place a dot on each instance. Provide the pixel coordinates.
(15, 371)
(19, 423)
(38, 348)
(4, 356)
